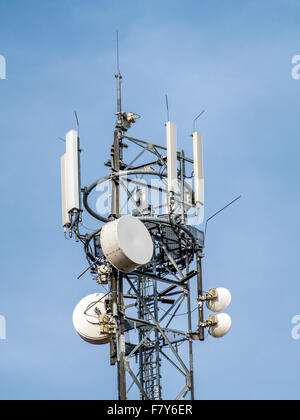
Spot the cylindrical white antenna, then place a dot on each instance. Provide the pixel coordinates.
(72, 170)
(66, 220)
(172, 157)
(198, 169)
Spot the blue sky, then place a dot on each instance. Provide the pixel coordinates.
(232, 59)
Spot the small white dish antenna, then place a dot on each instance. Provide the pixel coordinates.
(222, 326)
(220, 301)
(86, 318)
(126, 243)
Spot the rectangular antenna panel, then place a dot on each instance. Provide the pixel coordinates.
(172, 157)
(198, 169)
(73, 182)
(65, 215)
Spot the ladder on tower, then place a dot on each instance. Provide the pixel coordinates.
(151, 362)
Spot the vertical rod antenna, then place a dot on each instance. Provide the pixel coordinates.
(119, 78)
(118, 52)
(77, 122)
(79, 162)
(167, 104)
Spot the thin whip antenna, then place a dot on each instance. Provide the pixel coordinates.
(167, 104)
(218, 212)
(77, 122)
(194, 122)
(89, 267)
(118, 52)
(119, 79)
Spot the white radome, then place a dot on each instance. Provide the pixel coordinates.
(86, 321)
(198, 168)
(222, 327)
(126, 243)
(221, 302)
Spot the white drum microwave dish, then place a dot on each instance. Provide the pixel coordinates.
(126, 243)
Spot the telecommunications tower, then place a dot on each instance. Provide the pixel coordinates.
(146, 255)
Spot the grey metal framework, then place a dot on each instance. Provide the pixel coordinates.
(146, 303)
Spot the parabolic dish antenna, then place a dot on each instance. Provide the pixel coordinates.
(126, 243)
(222, 326)
(221, 301)
(86, 318)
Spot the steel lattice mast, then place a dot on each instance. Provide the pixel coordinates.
(143, 287)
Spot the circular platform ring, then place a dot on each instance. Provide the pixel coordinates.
(86, 319)
(126, 243)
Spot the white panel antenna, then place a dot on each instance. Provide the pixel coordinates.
(72, 164)
(66, 220)
(172, 157)
(198, 169)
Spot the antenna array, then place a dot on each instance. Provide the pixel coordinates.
(149, 260)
